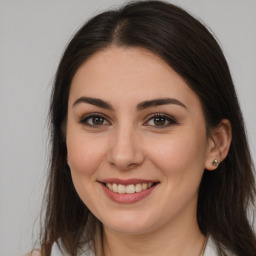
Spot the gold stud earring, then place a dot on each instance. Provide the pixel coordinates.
(215, 162)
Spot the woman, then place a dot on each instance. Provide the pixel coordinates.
(149, 153)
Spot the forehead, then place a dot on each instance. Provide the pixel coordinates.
(118, 73)
(114, 63)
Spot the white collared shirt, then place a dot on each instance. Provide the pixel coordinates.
(210, 250)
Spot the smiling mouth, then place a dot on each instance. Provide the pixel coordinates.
(129, 189)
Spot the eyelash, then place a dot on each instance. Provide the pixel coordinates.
(167, 118)
(86, 118)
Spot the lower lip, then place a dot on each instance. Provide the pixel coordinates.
(127, 198)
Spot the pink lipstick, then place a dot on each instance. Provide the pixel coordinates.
(127, 191)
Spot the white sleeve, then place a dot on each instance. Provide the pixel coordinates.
(56, 251)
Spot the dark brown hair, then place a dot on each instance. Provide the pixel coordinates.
(191, 50)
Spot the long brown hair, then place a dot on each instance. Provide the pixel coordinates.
(191, 50)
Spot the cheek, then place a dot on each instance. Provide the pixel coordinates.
(185, 153)
(85, 156)
(84, 153)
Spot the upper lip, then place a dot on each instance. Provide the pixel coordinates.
(126, 181)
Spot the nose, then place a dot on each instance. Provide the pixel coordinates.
(125, 151)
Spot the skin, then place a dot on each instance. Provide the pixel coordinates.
(130, 143)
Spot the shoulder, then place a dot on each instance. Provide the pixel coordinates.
(58, 249)
(211, 249)
(35, 252)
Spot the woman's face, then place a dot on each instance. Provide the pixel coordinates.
(136, 140)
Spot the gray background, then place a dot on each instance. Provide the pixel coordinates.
(33, 35)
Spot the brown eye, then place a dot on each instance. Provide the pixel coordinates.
(94, 120)
(160, 121)
(98, 120)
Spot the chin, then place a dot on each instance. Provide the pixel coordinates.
(128, 224)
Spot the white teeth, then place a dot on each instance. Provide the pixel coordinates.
(109, 185)
(121, 189)
(129, 189)
(114, 188)
(138, 188)
(144, 186)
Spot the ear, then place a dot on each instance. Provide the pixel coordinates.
(218, 144)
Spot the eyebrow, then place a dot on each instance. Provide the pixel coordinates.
(141, 106)
(93, 101)
(159, 102)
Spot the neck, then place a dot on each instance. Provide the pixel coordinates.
(168, 240)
